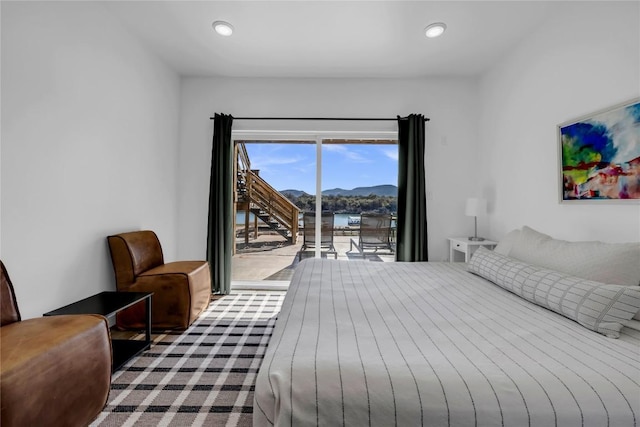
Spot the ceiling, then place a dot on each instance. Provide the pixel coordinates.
(331, 39)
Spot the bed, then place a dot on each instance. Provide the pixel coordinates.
(407, 344)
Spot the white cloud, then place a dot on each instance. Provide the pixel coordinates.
(391, 153)
(336, 148)
(259, 162)
(346, 152)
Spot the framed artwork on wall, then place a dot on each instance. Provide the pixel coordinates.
(600, 155)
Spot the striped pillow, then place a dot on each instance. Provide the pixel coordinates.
(597, 306)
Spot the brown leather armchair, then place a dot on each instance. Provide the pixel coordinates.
(181, 290)
(53, 370)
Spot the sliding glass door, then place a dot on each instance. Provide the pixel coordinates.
(285, 176)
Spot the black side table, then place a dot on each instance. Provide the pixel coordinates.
(108, 304)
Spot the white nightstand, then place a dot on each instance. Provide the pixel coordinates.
(467, 247)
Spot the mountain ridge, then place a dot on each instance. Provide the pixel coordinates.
(378, 190)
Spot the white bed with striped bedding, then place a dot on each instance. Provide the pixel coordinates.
(409, 344)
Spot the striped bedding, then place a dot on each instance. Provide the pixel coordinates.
(408, 344)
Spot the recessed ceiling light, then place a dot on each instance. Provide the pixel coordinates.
(435, 29)
(223, 28)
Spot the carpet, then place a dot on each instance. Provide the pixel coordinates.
(202, 376)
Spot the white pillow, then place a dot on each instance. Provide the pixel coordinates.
(505, 244)
(633, 324)
(600, 307)
(614, 263)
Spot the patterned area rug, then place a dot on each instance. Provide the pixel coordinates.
(202, 376)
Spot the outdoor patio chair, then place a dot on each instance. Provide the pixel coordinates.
(375, 233)
(326, 233)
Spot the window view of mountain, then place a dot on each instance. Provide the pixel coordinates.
(379, 198)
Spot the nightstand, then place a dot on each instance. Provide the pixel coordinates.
(467, 247)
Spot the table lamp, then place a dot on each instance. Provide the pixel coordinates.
(475, 207)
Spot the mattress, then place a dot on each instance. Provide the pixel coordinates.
(383, 344)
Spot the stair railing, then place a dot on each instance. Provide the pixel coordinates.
(243, 164)
(261, 195)
(278, 207)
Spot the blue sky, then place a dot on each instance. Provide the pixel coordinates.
(292, 166)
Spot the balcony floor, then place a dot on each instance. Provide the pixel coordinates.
(269, 258)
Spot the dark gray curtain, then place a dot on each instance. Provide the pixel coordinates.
(219, 230)
(411, 224)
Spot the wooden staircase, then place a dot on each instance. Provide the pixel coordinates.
(254, 195)
(273, 224)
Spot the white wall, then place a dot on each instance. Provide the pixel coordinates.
(91, 120)
(586, 57)
(450, 103)
(89, 148)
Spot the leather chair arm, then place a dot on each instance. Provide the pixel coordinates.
(71, 352)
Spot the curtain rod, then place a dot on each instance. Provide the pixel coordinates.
(426, 119)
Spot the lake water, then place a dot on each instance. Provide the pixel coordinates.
(339, 220)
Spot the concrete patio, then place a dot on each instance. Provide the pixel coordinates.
(271, 259)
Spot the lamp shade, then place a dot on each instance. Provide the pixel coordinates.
(475, 207)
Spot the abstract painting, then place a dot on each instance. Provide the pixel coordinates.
(600, 155)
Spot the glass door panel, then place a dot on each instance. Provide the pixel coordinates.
(360, 177)
(276, 183)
